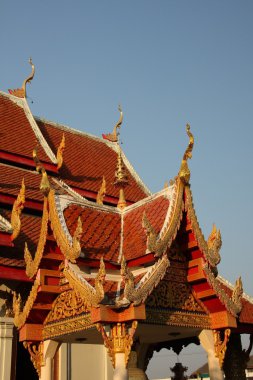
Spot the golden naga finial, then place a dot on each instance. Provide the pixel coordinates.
(21, 92)
(121, 180)
(60, 151)
(113, 137)
(101, 192)
(44, 184)
(17, 208)
(237, 294)
(214, 244)
(184, 172)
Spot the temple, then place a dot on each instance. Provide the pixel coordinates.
(96, 272)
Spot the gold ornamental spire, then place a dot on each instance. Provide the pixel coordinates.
(184, 172)
(121, 180)
(21, 92)
(60, 151)
(113, 137)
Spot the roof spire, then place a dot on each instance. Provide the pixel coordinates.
(21, 92)
(184, 172)
(121, 180)
(113, 137)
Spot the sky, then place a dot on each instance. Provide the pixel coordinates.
(168, 63)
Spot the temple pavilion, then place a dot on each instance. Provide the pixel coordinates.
(96, 272)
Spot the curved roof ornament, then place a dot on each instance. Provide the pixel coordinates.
(113, 137)
(21, 92)
(184, 172)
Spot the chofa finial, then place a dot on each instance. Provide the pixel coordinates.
(113, 137)
(21, 92)
(184, 172)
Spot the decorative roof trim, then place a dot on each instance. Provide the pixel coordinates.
(32, 265)
(38, 133)
(20, 317)
(14, 99)
(149, 199)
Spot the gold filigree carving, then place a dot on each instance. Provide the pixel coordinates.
(44, 184)
(92, 296)
(33, 265)
(220, 345)
(184, 172)
(237, 294)
(214, 243)
(36, 354)
(67, 326)
(67, 305)
(21, 92)
(71, 252)
(220, 292)
(120, 339)
(173, 295)
(121, 180)
(177, 318)
(113, 137)
(20, 317)
(60, 151)
(17, 208)
(159, 244)
(101, 192)
(138, 294)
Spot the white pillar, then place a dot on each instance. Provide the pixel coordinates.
(49, 350)
(120, 371)
(207, 342)
(6, 339)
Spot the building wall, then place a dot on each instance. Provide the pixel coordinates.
(88, 361)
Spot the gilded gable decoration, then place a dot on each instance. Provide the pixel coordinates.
(70, 251)
(237, 294)
(20, 317)
(21, 92)
(159, 243)
(32, 265)
(220, 344)
(121, 180)
(17, 208)
(36, 354)
(214, 243)
(92, 296)
(184, 172)
(60, 151)
(113, 137)
(101, 192)
(120, 339)
(138, 294)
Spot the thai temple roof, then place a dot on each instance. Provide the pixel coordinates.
(76, 217)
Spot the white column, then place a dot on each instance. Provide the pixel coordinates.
(6, 338)
(120, 371)
(207, 342)
(49, 350)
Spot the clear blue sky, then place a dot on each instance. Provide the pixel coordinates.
(167, 63)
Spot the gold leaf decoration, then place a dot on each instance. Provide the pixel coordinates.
(16, 211)
(60, 151)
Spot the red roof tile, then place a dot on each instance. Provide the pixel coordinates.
(87, 160)
(30, 232)
(135, 238)
(11, 179)
(101, 231)
(16, 134)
